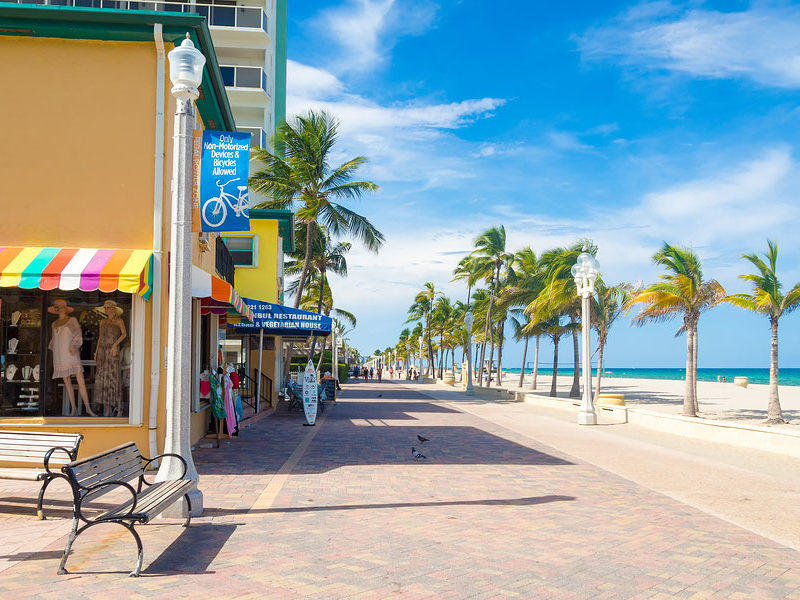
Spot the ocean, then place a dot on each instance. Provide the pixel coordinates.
(785, 376)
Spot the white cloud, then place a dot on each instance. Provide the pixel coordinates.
(761, 44)
(366, 30)
(405, 141)
(306, 81)
(722, 214)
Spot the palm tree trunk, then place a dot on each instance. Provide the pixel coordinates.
(695, 339)
(524, 356)
(535, 363)
(774, 413)
(600, 347)
(500, 335)
(441, 354)
(319, 311)
(688, 399)
(575, 390)
(555, 367)
(306, 265)
(491, 360)
(322, 355)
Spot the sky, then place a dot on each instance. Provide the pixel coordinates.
(627, 123)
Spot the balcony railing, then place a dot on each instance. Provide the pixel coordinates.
(217, 15)
(257, 136)
(224, 261)
(244, 77)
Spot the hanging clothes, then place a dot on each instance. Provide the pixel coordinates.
(230, 411)
(217, 402)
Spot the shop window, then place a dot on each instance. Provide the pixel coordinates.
(65, 353)
(243, 248)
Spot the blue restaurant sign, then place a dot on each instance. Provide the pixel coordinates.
(276, 319)
(224, 163)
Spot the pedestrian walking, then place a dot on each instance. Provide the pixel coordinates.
(380, 372)
(366, 373)
(371, 372)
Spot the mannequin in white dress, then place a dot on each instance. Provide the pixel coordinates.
(65, 343)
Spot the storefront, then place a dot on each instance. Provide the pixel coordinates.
(69, 323)
(84, 255)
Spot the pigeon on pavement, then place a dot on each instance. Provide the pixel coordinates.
(416, 453)
(421, 439)
(380, 395)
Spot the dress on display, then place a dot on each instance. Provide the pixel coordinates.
(107, 384)
(65, 338)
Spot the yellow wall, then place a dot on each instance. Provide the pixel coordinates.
(78, 141)
(261, 283)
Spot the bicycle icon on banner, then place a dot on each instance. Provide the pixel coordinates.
(214, 210)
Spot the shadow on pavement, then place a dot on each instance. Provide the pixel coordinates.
(530, 501)
(192, 551)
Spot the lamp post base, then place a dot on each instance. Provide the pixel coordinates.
(469, 390)
(587, 418)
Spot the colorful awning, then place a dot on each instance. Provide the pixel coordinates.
(218, 297)
(86, 269)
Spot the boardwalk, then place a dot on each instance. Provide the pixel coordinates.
(343, 510)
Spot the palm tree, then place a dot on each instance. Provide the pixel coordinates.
(525, 288)
(488, 259)
(554, 330)
(768, 300)
(607, 305)
(682, 291)
(300, 178)
(559, 297)
(326, 255)
(422, 309)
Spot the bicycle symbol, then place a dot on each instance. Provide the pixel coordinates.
(214, 210)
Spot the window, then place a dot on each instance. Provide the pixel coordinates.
(65, 353)
(243, 249)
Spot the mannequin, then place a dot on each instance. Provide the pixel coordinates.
(108, 385)
(65, 343)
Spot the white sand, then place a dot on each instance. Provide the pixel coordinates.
(723, 401)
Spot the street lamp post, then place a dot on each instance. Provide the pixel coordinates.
(186, 73)
(469, 321)
(585, 272)
(421, 343)
(407, 363)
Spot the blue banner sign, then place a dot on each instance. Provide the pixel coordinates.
(224, 163)
(276, 319)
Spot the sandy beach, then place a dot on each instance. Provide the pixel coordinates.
(718, 400)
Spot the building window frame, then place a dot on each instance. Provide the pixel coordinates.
(251, 236)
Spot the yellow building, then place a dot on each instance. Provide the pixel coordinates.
(258, 259)
(85, 224)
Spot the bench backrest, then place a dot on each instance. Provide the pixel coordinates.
(31, 446)
(122, 463)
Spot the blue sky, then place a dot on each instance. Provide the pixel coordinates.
(628, 123)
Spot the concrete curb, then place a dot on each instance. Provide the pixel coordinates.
(746, 436)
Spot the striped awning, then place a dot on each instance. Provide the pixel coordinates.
(85, 269)
(218, 297)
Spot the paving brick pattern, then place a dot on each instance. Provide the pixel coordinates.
(489, 514)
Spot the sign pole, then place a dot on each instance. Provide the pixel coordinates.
(260, 366)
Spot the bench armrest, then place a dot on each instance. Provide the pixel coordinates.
(147, 461)
(92, 488)
(50, 453)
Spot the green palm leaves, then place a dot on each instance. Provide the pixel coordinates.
(766, 298)
(682, 292)
(299, 176)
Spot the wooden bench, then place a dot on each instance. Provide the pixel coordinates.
(115, 469)
(41, 450)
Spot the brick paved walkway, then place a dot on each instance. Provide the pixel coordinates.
(343, 511)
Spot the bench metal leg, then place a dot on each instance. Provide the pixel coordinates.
(139, 549)
(189, 511)
(39, 510)
(73, 533)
